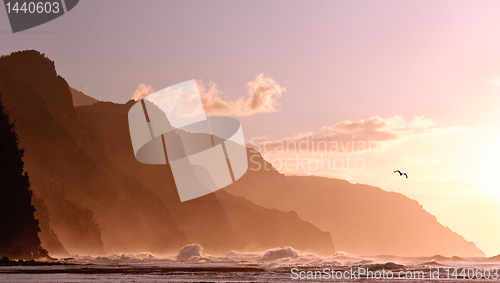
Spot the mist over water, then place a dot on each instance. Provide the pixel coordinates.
(282, 264)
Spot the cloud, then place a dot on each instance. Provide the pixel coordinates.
(142, 91)
(380, 129)
(366, 135)
(263, 93)
(422, 160)
(496, 81)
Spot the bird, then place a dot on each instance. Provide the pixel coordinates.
(401, 173)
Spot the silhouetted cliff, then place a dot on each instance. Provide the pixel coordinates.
(18, 226)
(219, 222)
(100, 199)
(120, 213)
(80, 98)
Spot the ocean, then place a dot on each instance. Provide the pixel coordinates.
(277, 265)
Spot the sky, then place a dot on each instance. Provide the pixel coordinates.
(421, 79)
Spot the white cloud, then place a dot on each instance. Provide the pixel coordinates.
(366, 135)
(142, 91)
(263, 93)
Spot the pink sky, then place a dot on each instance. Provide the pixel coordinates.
(420, 77)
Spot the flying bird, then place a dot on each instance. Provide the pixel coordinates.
(401, 173)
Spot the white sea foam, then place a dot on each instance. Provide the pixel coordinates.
(189, 251)
(279, 253)
(386, 266)
(192, 264)
(279, 258)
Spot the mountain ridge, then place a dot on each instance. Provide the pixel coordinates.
(94, 204)
(82, 157)
(379, 222)
(115, 138)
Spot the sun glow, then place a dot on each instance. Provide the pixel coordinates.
(487, 165)
(496, 81)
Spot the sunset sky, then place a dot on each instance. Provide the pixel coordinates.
(419, 78)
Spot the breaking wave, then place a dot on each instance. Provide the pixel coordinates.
(192, 264)
(274, 254)
(276, 259)
(189, 251)
(381, 266)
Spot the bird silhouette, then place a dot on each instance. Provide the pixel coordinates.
(401, 173)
